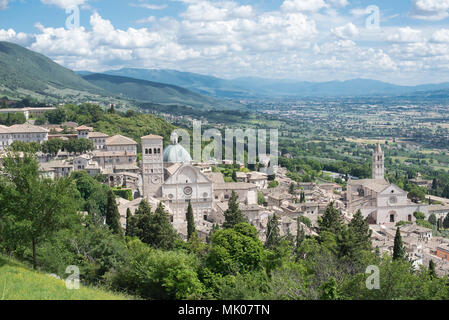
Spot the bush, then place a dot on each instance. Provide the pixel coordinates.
(419, 215)
(123, 193)
(157, 274)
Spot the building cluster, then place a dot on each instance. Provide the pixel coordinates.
(169, 175)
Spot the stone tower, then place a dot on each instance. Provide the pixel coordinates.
(378, 163)
(152, 165)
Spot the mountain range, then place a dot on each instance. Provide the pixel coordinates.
(251, 87)
(26, 73)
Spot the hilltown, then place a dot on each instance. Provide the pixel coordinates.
(171, 176)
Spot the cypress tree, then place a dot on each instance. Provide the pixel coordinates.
(359, 228)
(302, 198)
(432, 271)
(144, 208)
(112, 215)
(128, 218)
(233, 215)
(190, 221)
(273, 234)
(398, 249)
(161, 233)
(292, 188)
(331, 220)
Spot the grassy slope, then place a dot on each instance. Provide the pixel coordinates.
(17, 282)
(23, 68)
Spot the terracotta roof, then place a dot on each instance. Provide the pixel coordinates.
(27, 128)
(120, 140)
(83, 127)
(152, 136)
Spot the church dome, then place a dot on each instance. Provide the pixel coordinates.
(175, 153)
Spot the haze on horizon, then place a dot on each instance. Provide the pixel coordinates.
(306, 40)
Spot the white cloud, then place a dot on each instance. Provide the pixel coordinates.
(430, 9)
(149, 19)
(441, 36)
(227, 39)
(149, 6)
(11, 35)
(303, 5)
(406, 34)
(346, 32)
(64, 4)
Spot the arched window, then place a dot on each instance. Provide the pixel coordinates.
(149, 151)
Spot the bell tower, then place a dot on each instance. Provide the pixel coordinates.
(152, 164)
(378, 163)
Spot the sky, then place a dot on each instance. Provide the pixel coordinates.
(401, 41)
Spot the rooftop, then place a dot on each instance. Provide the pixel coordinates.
(97, 135)
(119, 140)
(152, 136)
(234, 186)
(26, 128)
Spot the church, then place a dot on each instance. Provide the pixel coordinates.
(382, 202)
(169, 175)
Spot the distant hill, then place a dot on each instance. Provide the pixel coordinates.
(258, 87)
(155, 92)
(21, 283)
(24, 69)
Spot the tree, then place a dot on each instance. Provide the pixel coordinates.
(260, 198)
(329, 290)
(161, 235)
(432, 271)
(419, 215)
(433, 219)
(362, 233)
(38, 207)
(190, 221)
(331, 220)
(233, 215)
(292, 188)
(57, 116)
(235, 250)
(446, 222)
(302, 198)
(52, 146)
(112, 215)
(128, 218)
(398, 249)
(273, 236)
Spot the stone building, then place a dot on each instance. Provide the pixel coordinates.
(381, 201)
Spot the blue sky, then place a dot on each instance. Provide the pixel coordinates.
(314, 40)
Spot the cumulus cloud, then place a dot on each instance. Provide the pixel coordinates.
(441, 36)
(303, 5)
(346, 32)
(11, 35)
(406, 34)
(228, 39)
(430, 9)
